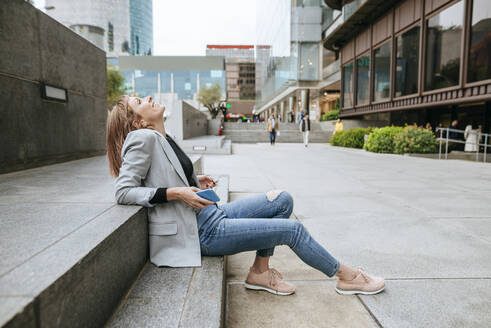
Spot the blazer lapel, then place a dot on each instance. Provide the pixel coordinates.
(171, 155)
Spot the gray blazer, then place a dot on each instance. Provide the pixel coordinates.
(149, 162)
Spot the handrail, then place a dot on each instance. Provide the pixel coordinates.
(446, 139)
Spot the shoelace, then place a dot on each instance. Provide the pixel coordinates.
(275, 275)
(364, 275)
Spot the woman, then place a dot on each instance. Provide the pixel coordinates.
(152, 171)
(272, 129)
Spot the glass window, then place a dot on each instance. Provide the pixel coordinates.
(443, 44)
(480, 46)
(309, 62)
(407, 62)
(381, 72)
(363, 80)
(348, 85)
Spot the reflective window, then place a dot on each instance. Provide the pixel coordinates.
(348, 85)
(443, 44)
(381, 72)
(363, 80)
(309, 62)
(480, 46)
(407, 62)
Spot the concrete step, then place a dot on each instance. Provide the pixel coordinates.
(68, 254)
(178, 297)
(211, 145)
(236, 136)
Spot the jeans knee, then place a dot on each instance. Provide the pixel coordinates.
(284, 198)
(297, 233)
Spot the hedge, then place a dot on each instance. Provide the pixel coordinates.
(415, 140)
(352, 138)
(331, 115)
(381, 140)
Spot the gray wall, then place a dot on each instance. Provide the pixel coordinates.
(184, 121)
(33, 131)
(195, 123)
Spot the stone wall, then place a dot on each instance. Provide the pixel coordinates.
(36, 49)
(194, 121)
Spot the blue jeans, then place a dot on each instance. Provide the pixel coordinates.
(272, 136)
(256, 223)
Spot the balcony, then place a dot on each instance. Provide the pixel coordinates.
(355, 17)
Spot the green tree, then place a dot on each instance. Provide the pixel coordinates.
(115, 86)
(210, 98)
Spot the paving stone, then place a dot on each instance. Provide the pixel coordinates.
(315, 304)
(284, 260)
(433, 303)
(397, 246)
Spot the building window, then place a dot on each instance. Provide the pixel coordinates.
(110, 36)
(381, 72)
(407, 62)
(443, 44)
(480, 45)
(363, 80)
(348, 85)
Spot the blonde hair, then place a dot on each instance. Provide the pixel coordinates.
(121, 121)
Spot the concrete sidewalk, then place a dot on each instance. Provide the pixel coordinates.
(425, 225)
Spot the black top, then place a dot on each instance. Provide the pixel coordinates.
(305, 128)
(161, 194)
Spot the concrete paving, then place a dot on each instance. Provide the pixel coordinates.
(423, 224)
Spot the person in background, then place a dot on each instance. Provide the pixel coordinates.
(305, 129)
(454, 135)
(441, 132)
(338, 127)
(428, 126)
(471, 138)
(272, 128)
(292, 117)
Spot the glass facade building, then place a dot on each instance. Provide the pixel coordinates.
(141, 27)
(179, 76)
(289, 49)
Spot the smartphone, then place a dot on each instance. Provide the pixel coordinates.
(208, 194)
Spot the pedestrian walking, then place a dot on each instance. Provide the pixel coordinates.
(305, 129)
(272, 129)
(338, 127)
(151, 170)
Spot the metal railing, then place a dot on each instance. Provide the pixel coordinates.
(444, 138)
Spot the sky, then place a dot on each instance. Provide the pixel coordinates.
(185, 27)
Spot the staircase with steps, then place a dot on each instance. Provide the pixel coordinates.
(289, 133)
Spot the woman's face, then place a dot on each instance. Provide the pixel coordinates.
(148, 110)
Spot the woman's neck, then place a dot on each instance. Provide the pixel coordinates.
(160, 128)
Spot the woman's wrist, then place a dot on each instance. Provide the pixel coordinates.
(173, 193)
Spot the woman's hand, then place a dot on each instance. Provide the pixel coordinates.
(188, 196)
(206, 182)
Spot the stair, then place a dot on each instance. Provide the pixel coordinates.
(257, 133)
(69, 254)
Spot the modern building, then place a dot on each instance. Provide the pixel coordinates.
(414, 60)
(141, 27)
(290, 69)
(119, 27)
(240, 70)
(169, 78)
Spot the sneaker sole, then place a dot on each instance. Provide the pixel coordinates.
(272, 291)
(355, 292)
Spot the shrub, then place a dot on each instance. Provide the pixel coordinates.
(381, 140)
(415, 140)
(352, 138)
(331, 115)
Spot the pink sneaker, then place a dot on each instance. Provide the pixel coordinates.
(361, 284)
(270, 281)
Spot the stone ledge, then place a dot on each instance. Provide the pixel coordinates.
(178, 297)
